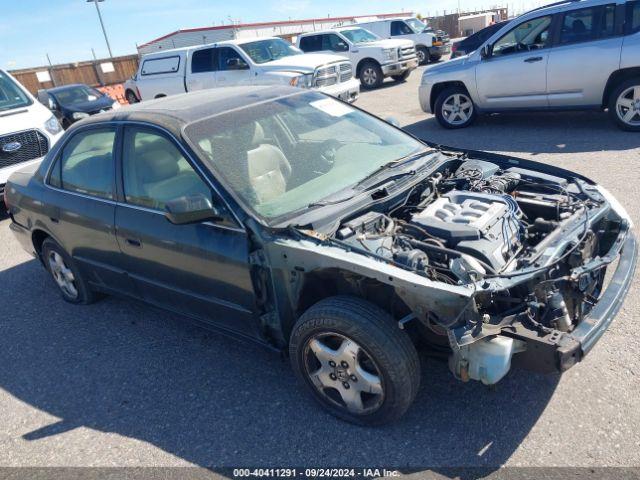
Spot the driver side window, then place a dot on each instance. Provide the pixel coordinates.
(529, 35)
(155, 172)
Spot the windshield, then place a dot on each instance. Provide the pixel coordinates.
(416, 25)
(264, 51)
(11, 95)
(360, 35)
(281, 156)
(76, 95)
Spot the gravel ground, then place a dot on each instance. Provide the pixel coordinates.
(122, 384)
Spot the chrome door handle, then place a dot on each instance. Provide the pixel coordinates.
(533, 59)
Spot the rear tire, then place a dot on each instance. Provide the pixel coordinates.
(624, 105)
(371, 75)
(454, 108)
(403, 77)
(65, 273)
(355, 361)
(131, 97)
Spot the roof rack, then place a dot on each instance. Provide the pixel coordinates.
(555, 4)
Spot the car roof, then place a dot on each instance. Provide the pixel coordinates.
(562, 6)
(66, 87)
(173, 113)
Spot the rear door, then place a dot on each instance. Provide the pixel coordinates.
(201, 269)
(233, 68)
(202, 68)
(586, 52)
(515, 75)
(81, 205)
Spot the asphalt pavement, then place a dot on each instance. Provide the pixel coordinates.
(119, 383)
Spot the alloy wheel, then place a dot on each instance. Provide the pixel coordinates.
(457, 109)
(62, 274)
(343, 373)
(422, 56)
(628, 106)
(369, 76)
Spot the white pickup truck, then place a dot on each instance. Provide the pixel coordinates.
(261, 61)
(373, 57)
(429, 46)
(27, 129)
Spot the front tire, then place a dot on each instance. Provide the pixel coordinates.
(371, 75)
(423, 55)
(131, 97)
(355, 361)
(624, 105)
(454, 108)
(65, 273)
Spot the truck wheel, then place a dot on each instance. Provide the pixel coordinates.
(403, 77)
(65, 273)
(131, 97)
(355, 361)
(454, 108)
(423, 55)
(624, 105)
(371, 75)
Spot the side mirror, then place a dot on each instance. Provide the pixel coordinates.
(342, 47)
(190, 209)
(486, 51)
(236, 64)
(393, 121)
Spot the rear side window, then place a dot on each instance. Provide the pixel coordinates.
(156, 66)
(633, 17)
(86, 164)
(588, 24)
(312, 43)
(203, 61)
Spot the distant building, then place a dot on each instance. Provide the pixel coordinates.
(285, 29)
(450, 23)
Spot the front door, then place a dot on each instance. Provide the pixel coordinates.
(233, 69)
(199, 269)
(515, 74)
(588, 50)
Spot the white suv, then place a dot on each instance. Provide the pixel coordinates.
(373, 57)
(573, 55)
(27, 129)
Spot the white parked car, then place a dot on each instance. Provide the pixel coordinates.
(429, 46)
(27, 129)
(373, 57)
(258, 61)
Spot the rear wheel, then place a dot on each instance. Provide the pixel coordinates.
(454, 108)
(624, 105)
(355, 361)
(402, 77)
(65, 273)
(423, 55)
(371, 75)
(131, 97)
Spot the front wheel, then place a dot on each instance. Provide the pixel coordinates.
(371, 75)
(454, 108)
(131, 97)
(402, 77)
(423, 55)
(624, 106)
(355, 361)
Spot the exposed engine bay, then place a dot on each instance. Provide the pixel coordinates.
(529, 244)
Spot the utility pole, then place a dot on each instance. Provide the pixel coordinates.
(104, 31)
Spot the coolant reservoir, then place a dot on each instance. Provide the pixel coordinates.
(487, 360)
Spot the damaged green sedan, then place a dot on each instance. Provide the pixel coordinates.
(316, 229)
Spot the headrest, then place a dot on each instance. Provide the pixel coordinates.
(258, 135)
(579, 26)
(156, 165)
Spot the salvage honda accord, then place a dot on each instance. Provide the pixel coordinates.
(312, 227)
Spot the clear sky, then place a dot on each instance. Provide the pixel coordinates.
(68, 29)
